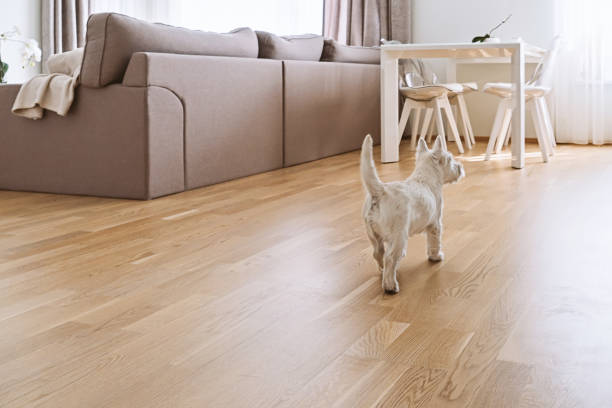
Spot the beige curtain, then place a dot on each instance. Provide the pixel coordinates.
(365, 22)
(63, 25)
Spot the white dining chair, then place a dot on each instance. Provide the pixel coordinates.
(455, 98)
(536, 90)
(421, 92)
(433, 100)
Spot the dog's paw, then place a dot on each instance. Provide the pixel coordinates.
(436, 257)
(391, 289)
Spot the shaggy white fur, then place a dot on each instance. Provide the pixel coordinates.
(395, 211)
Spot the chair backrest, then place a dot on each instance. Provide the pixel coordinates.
(543, 74)
(415, 72)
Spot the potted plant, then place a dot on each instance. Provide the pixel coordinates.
(31, 51)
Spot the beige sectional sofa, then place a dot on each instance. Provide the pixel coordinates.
(162, 109)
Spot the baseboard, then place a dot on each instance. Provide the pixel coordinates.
(486, 138)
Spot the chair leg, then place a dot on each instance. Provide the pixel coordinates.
(432, 128)
(507, 142)
(463, 107)
(447, 130)
(415, 127)
(462, 115)
(449, 133)
(539, 128)
(439, 121)
(545, 134)
(501, 110)
(426, 122)
(547, 122)
(451, 122)
(403, 120)
(501, 138)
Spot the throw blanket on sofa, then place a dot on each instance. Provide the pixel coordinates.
(53, 91)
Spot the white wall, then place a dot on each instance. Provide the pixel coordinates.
(24, 14)
(461, 20)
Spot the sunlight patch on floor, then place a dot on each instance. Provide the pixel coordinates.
(503, 156)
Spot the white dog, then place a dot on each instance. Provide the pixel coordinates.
(395, 211)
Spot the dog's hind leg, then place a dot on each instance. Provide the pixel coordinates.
(434, 242)
(378, 246)
(396, 249)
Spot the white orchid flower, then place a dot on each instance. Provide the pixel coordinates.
(31, 52)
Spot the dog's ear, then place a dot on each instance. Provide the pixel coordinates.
(422, 146)
(439, 146)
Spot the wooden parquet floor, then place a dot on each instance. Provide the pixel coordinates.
(262, 292)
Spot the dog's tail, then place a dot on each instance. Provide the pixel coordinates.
(369, 177)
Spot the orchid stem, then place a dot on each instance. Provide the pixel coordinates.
(500, 24)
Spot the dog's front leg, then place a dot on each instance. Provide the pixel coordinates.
(434, 242)
(393, 255)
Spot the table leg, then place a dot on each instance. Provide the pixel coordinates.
(389, 133)
(518, 107)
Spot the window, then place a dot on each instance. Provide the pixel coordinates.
(277, 16)
(587, 33)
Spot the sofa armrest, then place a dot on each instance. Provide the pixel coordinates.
(233, 111)
(115, 141)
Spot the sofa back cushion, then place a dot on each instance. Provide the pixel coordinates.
(294, 47)
(333, 51)
(112, 39)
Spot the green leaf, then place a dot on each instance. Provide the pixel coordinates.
(480, 38)
(3, 69)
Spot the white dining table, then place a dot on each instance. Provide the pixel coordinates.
(517, 51)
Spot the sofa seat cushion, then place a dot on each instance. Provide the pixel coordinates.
(112, 39)
(333, 51)
(295, 47)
